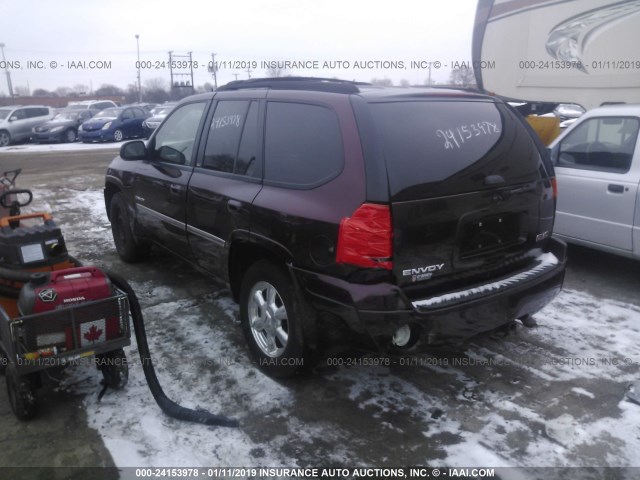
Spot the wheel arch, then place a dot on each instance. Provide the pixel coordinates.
(110, 189)
(245, 252)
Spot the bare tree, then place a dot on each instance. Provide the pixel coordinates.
(108, 89)
(131, 94)
(21, 91)
(383, 82)
(41, 92)
(463, 77)
(276, 72)
(404, 82)
(206, 87)
(155, 95)
(63, 91)
(155, 83)
(80, 89)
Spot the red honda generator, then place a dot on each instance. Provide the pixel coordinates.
(53, 312)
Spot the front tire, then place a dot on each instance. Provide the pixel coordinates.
(271, 320)
(5, 139)
(114, 368)
(128, 247)
(21, 395)
(118, 136)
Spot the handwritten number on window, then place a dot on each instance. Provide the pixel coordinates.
(456, 137)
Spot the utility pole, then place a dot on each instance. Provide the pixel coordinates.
(181, 80)
(6, 69)
(139, 85)
(235, 75)
(213, 69)
(248, 70)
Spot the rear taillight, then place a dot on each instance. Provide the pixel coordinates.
(554, 186)
(365, 238)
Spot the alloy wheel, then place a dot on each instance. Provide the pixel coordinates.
(268, 319)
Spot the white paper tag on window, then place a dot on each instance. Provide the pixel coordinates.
(32, 253)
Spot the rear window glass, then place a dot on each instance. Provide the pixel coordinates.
(426, 143)
(303, 145)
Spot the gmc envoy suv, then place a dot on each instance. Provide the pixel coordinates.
(410, 217)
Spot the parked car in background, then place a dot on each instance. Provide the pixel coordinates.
(158, 115)
(61, 128)
(17, 122)
(597, 163)
(114, 124)
(146, 106)
(406, 217)
(95, 105)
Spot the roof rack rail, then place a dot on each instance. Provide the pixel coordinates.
(296, 83)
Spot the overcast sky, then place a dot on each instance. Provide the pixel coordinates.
(239, 31)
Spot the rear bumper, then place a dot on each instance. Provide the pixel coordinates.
(376, 312)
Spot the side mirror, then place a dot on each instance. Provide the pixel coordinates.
(135, 150)
(13, 119)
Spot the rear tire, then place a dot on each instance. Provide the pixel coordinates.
(21, 395)
(114, 368)
(70, 136)
(271, 320)
(128, 247)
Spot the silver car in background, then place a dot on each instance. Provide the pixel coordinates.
(597, 163)
(16, 122)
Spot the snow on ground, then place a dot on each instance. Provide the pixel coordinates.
(60, 147)
(550, 396)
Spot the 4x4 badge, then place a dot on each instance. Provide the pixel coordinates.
(47, 295)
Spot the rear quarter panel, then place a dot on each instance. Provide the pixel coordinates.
(306, 221)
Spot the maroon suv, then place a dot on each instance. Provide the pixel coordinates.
(412, 216)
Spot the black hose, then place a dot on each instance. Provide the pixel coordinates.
(22, 276)
(168, 406)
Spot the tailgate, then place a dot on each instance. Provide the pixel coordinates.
(467, 186)
(440, 236)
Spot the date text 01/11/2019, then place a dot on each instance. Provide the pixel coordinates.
(313, 472)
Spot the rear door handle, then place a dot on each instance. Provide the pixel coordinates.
(613, 188)
(234, 205)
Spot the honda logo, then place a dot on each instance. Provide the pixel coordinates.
(48, 295)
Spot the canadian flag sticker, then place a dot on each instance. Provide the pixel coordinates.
(92, 333)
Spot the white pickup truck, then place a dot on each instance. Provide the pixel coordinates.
(597, 163)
